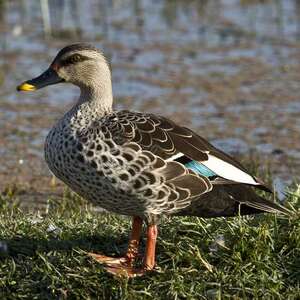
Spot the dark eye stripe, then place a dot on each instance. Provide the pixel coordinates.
(73, 59)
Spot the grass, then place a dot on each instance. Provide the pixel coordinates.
(238, 258)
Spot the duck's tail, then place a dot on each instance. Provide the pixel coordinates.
(246, 195)
(231, 200)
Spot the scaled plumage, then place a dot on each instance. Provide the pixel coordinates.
(138, 164)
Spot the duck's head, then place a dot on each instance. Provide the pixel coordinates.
(80, 64)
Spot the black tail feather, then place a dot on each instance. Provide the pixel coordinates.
(231, 200)
(246, 195)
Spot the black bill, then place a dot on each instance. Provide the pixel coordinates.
(49, 77)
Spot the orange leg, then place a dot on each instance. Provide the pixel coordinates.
(149, 260)
(133, 245)
(123, 265)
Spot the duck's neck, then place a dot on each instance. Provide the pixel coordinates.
(94, 102)
(98, 98)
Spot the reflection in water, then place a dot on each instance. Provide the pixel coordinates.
(208, 20)
(227, 68)
(46, 17)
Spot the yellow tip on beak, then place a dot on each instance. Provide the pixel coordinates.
(26, 87)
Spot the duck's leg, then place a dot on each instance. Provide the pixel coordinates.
(149, 259)
(133, 245)
(123, 263)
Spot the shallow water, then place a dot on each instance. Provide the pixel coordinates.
(228, 69)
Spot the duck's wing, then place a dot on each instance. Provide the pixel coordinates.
(149, 184)
(172, 142)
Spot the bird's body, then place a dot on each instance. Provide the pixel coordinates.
(97, 161)
(138, 164)
(84, 156)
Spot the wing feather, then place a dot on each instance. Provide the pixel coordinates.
(165, 138)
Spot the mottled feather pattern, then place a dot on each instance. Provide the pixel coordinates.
(165, 138)
(161, 136)
(111, 163)
(125, 179)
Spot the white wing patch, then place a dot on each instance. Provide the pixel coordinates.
(228, 171)
(222, 169)
(173, 157)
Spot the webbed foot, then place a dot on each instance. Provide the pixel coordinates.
(118, 266)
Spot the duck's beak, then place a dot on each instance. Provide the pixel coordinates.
(47, 78)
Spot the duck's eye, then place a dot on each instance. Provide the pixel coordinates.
(74, 58)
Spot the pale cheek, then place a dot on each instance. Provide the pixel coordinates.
(81, 74)
(87, 74)
(63, 74)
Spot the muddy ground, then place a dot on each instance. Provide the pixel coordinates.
(227, 69)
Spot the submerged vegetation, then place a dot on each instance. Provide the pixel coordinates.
(243, 257)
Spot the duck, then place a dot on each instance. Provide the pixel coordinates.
(138, 164)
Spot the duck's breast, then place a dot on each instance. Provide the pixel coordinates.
(93, 166)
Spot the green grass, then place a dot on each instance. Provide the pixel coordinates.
(44, 258)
